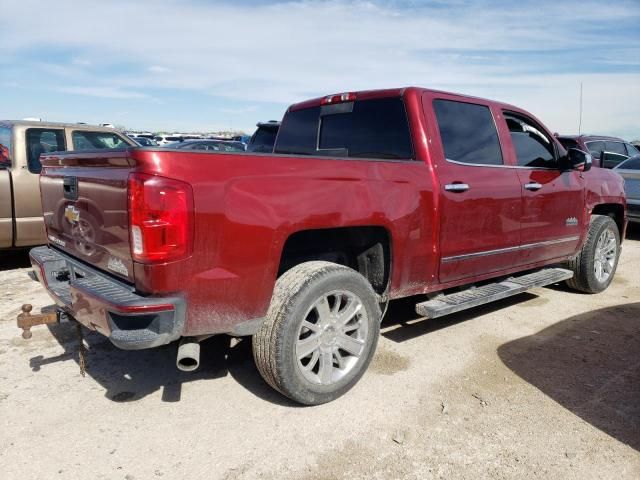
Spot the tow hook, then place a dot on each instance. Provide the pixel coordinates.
(26, 320)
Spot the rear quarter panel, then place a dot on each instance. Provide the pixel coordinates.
(247, 205)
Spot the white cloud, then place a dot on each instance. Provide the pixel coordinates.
(82, 62)
(158, 69)
(290, 51)
(103, 92)
(237, 111)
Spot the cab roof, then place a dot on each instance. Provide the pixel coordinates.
(589, 137)
(40, 124)
(390, 93)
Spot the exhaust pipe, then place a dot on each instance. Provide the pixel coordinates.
(188, 354)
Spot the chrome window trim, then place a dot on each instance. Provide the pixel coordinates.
(501, 166)
(498, 251)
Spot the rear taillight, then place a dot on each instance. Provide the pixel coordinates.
(160, 218)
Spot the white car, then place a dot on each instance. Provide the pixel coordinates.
(164, 139)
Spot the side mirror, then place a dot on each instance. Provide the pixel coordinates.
(577, 159)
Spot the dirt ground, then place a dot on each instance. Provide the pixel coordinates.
(543, 385)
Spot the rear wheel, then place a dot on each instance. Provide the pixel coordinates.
(320, 332)
(596, 264)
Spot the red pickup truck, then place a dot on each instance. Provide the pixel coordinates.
(368, 196)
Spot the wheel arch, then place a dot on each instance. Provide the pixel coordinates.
(613, 210)
(366, 249)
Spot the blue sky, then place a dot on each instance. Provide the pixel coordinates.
(196, 65)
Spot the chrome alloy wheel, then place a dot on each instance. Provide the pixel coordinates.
(605, 256)
(332, 337)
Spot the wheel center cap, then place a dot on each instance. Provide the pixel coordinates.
(328, 336)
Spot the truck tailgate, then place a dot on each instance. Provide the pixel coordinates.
(84, 200)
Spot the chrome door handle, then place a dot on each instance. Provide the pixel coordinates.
(533, 186)
(456, 187)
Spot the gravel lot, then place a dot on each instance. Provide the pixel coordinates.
(543, 385)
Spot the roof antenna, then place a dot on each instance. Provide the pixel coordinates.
(580, 122)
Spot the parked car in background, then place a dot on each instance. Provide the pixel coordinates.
(140, 134)
(162, 140)
(607, 152)
(303, 248)
(208, 145)
(145, 142)
(21, 144)
(264, 137)
(630, 171)
(241, 138)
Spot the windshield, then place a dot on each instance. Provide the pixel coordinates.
(85, 140)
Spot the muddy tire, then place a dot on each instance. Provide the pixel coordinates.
(320, 332)
(595, 265)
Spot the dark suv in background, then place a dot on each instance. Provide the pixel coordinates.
(607, 152)
(263, 139)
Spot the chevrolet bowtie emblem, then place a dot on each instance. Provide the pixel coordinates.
(72, 214)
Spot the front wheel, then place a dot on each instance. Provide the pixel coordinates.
(595, 265)
(320, 333)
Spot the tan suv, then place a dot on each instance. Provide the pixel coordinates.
(21, 143)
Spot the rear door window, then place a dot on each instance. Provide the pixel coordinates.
(468, 132)
(87, 140)
(42, 140)
(5, 146)
(376, 128)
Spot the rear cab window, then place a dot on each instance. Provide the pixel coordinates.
(372, 129)
(88, 140)
(6, 133)
(468, 132)
(43, 140)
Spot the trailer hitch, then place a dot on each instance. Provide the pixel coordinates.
(26, 320)
(49, 315)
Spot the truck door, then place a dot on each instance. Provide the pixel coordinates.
(552, 200)
(479, 194)
(26, 188)
(6, 213)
